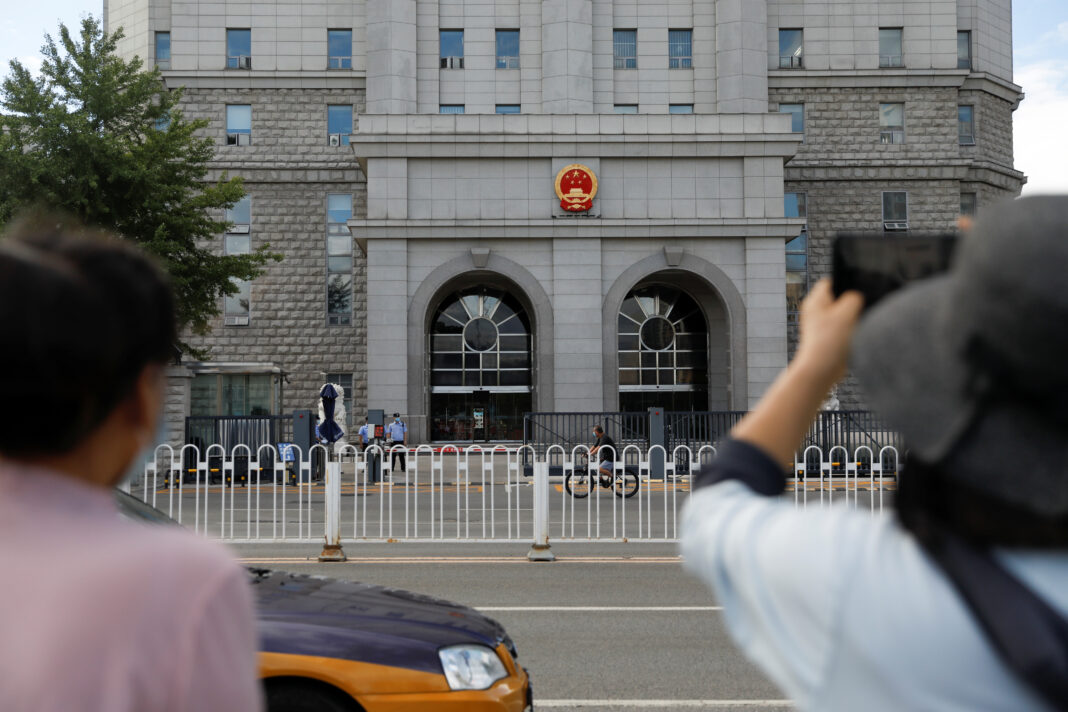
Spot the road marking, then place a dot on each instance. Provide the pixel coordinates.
(560, 609)
(468, 560)
(617, 704)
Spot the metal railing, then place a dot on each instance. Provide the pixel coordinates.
(472, 494)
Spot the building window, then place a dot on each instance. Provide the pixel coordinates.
(797, 116)
(338, 260)
(163, 50)
(895, 210)
(625, 49)
(238, 124)
(507, 49)
(663, 350)
(791, 49)
(890, 47)
(339, 49)
(339, 124)
(233, 394)
(964, 50)
(625, 108)
(451, 44)
(480, 366)
(450, 108)
(238, 241)
(795, 206)
(966, 125)
(238, 49)
(968, 203)
(507, 109)
(891, 123)
(680, 49)
(345, 381)
(680, 108)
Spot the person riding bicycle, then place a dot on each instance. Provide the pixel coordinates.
(606, 448)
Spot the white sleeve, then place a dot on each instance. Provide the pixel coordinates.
(779, 574)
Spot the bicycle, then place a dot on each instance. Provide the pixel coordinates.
(579, 482)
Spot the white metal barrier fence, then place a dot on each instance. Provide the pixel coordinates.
(485, 494)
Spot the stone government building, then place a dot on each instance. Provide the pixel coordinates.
(404, 156)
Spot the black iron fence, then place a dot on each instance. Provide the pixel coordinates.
(230, 431)
(845, 430)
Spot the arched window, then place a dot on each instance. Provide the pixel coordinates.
(663, 351)
(480, 366)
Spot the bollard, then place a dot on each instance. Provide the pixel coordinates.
(332, 550)
(539, 551)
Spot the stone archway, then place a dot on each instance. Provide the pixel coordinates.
(496, 272)
(723, 309)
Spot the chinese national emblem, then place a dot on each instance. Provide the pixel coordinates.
(575, 187)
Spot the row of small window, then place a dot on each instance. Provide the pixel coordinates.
(791, 48)
(237, 308)
(239, 124)
(624, 49)
(892, 122)
(514, 108)
(239, 49)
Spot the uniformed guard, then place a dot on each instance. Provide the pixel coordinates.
(364, 434)
(397, 434)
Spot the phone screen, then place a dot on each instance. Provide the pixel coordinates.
(876, 264)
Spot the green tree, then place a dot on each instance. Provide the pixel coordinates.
(104, 140)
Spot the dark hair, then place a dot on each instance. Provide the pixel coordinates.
(598, 429)
(82, 313)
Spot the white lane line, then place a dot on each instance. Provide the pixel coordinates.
(618, 704)
(564, 609)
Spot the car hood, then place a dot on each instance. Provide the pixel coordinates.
(314, 615)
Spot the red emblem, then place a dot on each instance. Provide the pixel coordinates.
(575, 187)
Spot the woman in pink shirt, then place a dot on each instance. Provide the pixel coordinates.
(97, 613)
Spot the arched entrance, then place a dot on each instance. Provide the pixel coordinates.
(480, 365)
(663, 350)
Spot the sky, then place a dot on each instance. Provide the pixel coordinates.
(1040, 60)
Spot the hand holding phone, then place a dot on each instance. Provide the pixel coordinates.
(876, 264)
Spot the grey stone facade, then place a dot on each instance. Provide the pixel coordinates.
(687, 201)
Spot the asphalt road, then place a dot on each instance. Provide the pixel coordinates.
(605, 627)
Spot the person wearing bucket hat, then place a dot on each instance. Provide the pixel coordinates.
(960, 599)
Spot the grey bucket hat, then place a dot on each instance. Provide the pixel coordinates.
(971, 367)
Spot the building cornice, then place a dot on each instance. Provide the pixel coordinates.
(548, 136)
(264, 79)
(576, 227)
(894, 78)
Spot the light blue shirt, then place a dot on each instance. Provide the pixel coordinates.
(844, 610)
(395, 431)
(363, 433)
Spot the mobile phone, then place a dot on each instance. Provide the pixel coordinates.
(875, 264)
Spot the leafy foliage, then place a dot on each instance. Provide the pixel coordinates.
(103, 139)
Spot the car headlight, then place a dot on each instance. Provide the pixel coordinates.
(471, 667)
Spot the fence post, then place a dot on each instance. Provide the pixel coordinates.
(332, 549)
(657, 436)
(539, 551)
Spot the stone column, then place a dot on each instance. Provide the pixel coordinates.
(391, 57)
(765, 302)
(741, 56)
(176, 405)
(577, 316)
(567, 56)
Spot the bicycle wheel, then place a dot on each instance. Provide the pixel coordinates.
(625, 485)
(578, 484)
